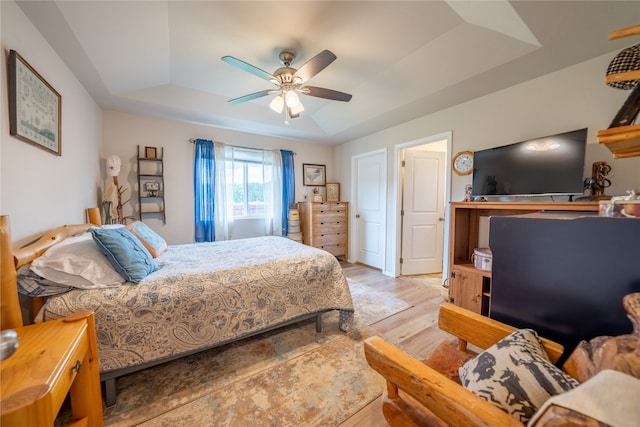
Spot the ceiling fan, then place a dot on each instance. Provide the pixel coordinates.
(290, 81)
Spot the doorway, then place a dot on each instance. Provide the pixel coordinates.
(422, 213)
(423, 194)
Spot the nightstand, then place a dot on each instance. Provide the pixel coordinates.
(52, 359)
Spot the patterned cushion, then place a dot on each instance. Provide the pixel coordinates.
(125, 252)
(516, 375)
(149, 238)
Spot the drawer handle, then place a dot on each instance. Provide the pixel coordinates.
(76, 367)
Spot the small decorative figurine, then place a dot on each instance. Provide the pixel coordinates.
(467, 193)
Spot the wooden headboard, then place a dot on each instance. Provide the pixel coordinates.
(10, 313)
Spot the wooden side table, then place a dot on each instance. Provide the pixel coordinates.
(53, 358)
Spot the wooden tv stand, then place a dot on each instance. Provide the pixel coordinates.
(469, 287)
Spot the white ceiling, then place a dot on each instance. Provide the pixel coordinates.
(399, 60)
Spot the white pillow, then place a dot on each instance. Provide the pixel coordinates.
(77, 262)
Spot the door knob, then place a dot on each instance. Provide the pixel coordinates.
(441, 219)
(357, 215)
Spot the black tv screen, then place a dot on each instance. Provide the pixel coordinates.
(551, 165)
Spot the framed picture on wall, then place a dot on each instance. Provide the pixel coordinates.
(313, 174)
(35, 107)
(150, 152)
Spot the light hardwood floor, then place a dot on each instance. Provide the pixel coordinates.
(415, 329)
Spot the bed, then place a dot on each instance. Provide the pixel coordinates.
(201, 295)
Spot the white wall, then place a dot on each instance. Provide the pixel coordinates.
(39, 190)
(570, 99)
(123, 132)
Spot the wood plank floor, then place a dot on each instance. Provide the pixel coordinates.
(415, 329)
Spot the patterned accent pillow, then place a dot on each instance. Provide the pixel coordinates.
(516, 375)
(125, 252)
(33, 285)
(149, 238)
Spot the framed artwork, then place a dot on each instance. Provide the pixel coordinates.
(313, 174)
(35, 108)
(150, 152)
(152, 188)
(333, 192)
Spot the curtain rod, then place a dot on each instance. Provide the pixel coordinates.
(193, 141)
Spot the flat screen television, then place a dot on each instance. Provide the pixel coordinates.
(548, 166)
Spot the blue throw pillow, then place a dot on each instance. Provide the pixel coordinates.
(125, 252)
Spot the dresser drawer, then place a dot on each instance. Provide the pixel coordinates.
(328, 217)
(330, 206)
(337, 250)
(330, 239)
(329, 227)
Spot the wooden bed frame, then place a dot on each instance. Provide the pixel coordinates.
(10, 305)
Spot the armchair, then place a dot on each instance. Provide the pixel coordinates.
(418, 395)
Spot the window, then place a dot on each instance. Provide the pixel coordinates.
(249, 175)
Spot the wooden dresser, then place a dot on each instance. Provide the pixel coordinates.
(324, 226)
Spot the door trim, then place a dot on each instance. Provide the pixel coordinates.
(353, 238)
(394, 250)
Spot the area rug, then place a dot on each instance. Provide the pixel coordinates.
(292, 376)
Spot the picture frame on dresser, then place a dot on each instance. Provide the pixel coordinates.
(35, 107)
(313, 175)
(333, 192)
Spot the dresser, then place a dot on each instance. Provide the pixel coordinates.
(324, 226)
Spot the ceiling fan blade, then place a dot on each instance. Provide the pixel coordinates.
(315, 65)
(252, 96)
(320, 92)
(248, 68)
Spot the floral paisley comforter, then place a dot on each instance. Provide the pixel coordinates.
(209, 293)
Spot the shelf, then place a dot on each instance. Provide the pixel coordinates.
(622, 141)
(151, 170)
(620, 33)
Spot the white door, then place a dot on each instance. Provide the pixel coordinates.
(369, 216)
(423, 209)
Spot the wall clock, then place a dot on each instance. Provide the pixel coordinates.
(462, 163)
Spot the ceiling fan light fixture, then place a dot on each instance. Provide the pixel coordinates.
(291, 98)
(295, 111)
(277, 104)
